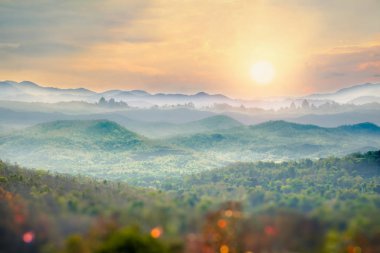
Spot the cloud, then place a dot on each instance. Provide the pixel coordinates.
(333, 74)
(344, 65)
(9, 45)
(369, 66)
(67, 24)
(169, 45)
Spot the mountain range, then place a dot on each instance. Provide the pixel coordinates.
(358, 94)
(30, 92)
(108, 150)
(27, 91)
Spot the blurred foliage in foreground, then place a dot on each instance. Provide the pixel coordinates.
(328, 205)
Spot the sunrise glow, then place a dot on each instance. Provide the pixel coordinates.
(263, 72)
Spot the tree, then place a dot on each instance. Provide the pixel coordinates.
(102, 101)
(131, 240)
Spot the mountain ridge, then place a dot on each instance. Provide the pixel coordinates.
(30, 91)
(105, 149)
(349, 94)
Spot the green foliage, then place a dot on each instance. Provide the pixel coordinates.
(130, 240)
(344, 188)
(106, 150)
(334, 202)
(60, 205)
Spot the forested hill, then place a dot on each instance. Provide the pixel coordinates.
(77, 134)
(338, 197)
(346, 187)
(54, 206)
(105, 149)
(281, 138)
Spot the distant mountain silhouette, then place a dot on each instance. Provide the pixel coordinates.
(358, 92)
(27, 91)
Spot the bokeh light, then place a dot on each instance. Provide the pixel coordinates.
(156, 232)
(222, 223)
(224, 249)
(28, 237)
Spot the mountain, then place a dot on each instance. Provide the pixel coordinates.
(365, 100)
(168, 122)
(139, 98)
(78, 134)
(100, 148)
(251, 181)
(31, 92)
(281, 139)
(107, 150)
(341, 118)
(365, 127)
(354, 94)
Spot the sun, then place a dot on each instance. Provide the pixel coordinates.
(262, 72)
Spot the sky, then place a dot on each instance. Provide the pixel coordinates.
(189, 46)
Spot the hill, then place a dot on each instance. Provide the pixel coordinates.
(107, 150)
(281, 139)
(77, 134)
(332, 201)
(49, 208)
(304, 185)
(29, 91)
(96, 147)
(213, 123)
(338, 119)
(152, 123)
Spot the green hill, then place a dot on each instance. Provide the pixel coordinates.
(287, 140)
(99, 147)
(98, 134)
(105, 149)
(55, 206)
(326, 203)
(214, 123)
(349, 185)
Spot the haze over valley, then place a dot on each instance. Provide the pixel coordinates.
(192, 126)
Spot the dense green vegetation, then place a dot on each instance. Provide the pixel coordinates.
(107, 150)
(349, 186)
(281, 140)
(327, 205)
(55, 206)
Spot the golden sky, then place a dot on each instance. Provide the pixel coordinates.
(190, 46)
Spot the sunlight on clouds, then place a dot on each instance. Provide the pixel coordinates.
(184, 46)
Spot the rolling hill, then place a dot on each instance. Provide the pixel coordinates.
(79, 134)
(284, 139)
(198, 121)
(106, 149)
